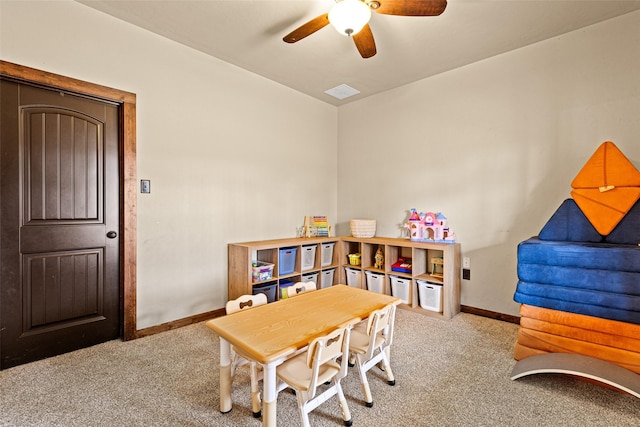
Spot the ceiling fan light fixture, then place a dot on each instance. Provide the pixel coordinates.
(349, 16)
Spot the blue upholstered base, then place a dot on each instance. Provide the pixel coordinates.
(596, 279)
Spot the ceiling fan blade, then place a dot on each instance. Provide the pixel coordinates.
(364, 42)
(307, 29)
(410, 7)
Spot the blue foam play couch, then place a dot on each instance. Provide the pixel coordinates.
(570, 267)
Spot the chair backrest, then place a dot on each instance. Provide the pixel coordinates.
(244, 302)
(328, 348)
(300, 287)
(380, 328)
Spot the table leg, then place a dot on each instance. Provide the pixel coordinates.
(270, 395)
(225, 376)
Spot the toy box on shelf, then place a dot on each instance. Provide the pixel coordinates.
(261, 271)
(403, 265)
(429, 227)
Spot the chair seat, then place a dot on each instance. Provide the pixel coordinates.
(297, 374)
(359, 341)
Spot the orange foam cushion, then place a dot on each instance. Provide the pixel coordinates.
(530, 342)
(606, 187)
(592, 323)
(544, 330)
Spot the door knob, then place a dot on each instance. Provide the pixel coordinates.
(112, 234)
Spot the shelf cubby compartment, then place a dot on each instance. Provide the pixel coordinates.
(369, 251)
(350, 248)
(394, 253)
(328, 254)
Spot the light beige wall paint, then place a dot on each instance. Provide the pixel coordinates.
(493, 145)
(224, 148)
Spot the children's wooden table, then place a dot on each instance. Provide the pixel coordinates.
(271, 333)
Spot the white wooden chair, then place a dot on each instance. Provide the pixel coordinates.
(245, 302)
(300, 287)
(370, 345)
(315, 367)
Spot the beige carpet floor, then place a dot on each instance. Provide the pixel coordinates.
(448, 373)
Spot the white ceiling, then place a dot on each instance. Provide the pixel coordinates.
(248, 33)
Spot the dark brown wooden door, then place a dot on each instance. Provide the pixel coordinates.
(59, 223)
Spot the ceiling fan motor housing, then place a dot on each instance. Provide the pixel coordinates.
(349, 16)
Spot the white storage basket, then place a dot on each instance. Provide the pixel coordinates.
(400, 288)
(375, 281)
(353, 277)
(326, 278)
(327, 254)
(430, 295)
(363, 227)
(308, 257)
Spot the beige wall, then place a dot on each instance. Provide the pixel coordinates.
(224, 148)
(494, 145)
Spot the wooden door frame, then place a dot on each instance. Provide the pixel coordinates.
(128, 178)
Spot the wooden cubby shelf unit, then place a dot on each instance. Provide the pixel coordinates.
(242, 255)
(444, 273)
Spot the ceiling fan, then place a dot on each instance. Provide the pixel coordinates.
(351, 18)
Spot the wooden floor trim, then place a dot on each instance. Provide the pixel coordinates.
(175, 324)
(490, 314)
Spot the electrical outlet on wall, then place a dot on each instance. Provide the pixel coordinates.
(466, 274)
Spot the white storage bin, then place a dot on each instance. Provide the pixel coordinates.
(353, 277)
(310, 277)
(308, 257)
(326, 278)
(327, 254)
(375, 281)
(400, 288)
(430, 295)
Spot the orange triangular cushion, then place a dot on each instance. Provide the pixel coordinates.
(606, 187)
(606, 167)
(605, 210)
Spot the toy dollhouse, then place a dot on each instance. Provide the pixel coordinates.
(429, 227)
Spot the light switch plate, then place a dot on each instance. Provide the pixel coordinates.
(145, 186)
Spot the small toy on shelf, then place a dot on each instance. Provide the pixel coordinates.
(316, 226)
(437, 263)
(403, 265)
(429, 227)
(354, 259)
(379, 259)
